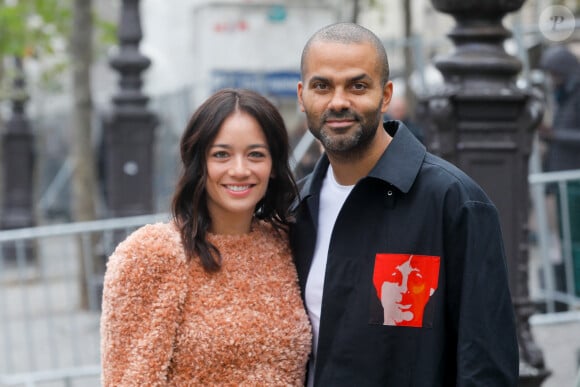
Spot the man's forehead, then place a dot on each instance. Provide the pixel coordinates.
(347, 57)
(324, 44)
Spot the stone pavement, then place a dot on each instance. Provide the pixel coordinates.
(73, 336)
(560, 343)
(557, 334)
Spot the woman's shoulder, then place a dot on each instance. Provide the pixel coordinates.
(152, 245)
(157, 236)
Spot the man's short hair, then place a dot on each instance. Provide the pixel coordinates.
(348, 33)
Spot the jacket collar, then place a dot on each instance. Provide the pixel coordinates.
(400, 163)
(398, 166)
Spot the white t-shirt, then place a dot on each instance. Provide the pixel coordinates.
(332, 197)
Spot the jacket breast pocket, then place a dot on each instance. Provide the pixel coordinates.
(403, 285)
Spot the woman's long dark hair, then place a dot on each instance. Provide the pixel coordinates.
(189, 205)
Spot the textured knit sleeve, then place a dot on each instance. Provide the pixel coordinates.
(487, 349)
(144, 289)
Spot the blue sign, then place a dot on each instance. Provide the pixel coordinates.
(275, 84)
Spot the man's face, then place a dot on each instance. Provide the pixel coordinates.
(343, 96)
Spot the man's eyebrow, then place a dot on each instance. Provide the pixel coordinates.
(359, 78)
(318, 78)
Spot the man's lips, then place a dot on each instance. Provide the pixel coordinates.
(342, 123)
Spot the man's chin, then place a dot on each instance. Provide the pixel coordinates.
(339, 142)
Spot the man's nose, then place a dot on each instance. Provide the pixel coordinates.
(339, 101)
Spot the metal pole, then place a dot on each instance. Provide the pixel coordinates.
(129, 130)
(18, 163)
(482, 122)
(128, 134)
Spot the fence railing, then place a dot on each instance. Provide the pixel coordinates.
(50, 286)
(556, 205)
(51, 281)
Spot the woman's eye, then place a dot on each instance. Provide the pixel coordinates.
(220, 154)
(257, 155)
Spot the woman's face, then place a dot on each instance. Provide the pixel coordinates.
(239, 166)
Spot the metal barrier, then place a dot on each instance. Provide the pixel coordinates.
(51, 281)
(566, 215)
(50, 288)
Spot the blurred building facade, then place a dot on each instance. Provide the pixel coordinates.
(197, 46)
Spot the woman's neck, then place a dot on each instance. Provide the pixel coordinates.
(231, 226)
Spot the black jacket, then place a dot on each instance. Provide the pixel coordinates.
(411, 203)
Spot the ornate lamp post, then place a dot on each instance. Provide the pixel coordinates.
(129, 130)
(482, 122)
(18, 162)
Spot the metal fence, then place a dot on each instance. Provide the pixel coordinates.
(51, 281)
(556, 205)
(50, 286)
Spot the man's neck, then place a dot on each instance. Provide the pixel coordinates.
(349, 170)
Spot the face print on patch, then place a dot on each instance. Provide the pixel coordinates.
(403, 285)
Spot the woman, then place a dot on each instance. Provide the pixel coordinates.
(212, 297)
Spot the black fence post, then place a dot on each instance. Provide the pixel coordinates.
(18, 156)
(129, 129)
(482, 122)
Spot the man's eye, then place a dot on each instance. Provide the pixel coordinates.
(359, 86)
(320, 86)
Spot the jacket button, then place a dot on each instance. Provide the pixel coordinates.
(389, 193)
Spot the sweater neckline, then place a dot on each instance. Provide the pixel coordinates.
(257, 227)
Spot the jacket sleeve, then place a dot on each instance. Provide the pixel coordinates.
(142, 296)
(487, 348)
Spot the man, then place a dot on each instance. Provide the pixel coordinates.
(376, 194)
(562, 139)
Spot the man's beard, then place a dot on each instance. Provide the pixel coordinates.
(353, 144)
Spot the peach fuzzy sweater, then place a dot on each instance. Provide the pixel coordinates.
(167, 322)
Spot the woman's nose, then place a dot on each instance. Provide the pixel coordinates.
(239, 168)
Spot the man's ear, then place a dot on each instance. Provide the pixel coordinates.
(387, 95)
(299, 89)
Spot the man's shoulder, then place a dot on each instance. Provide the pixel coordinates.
(444, 175)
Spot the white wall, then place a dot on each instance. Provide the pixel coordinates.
(167, 41)
(187, 41)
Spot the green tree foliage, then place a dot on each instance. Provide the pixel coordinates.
(41, 30)
(33, 27)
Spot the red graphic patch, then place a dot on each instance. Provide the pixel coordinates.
(404, 284)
